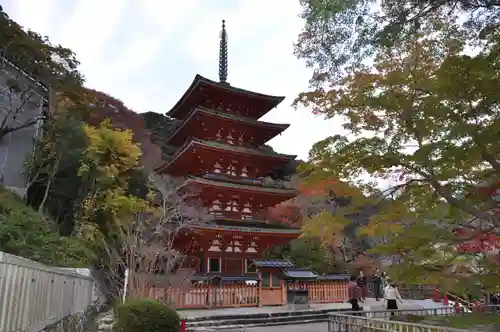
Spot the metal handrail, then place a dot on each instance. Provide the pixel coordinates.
(376, 320)
(349, 323)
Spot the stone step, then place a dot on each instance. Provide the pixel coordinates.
(243, 327)
(266, 315)
(261, 320)
(235, 322)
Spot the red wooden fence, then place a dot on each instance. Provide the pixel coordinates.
(243, 295)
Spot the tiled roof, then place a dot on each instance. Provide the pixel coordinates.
(227, 147)
(256, 123)
(273, 263)
(243, 149)
(262, 189)
(277, 231)
(275, 100)
(205, 277)
(299, 274)
(241, 118)
(258, 223)
(341, 276)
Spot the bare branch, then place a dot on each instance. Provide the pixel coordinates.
(150, 246)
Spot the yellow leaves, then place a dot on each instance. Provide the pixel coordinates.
(113, 146)
(377, 228)
(123, 206)
(109, 157)
(326, 227)
(387, 223)
(109, 153)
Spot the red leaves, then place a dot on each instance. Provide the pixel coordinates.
(319, 188)
(122, 117)
(364, 263)
(477, 242)
(285, 213)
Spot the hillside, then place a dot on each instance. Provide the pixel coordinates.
(24, 232)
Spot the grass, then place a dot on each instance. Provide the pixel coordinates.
(464, 321)
(468, 320)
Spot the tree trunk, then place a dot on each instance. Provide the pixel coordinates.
(49, 183)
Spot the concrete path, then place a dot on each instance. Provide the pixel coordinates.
(369, 304)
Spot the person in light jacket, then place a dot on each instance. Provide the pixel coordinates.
(384, 278)
(391, 295)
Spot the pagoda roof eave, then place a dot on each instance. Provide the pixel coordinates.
(198, 79)
(240, 229)
(280, 127)
(290, 192)
(221, 146)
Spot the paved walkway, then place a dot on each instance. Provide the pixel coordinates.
(369, 304)
(317, 327)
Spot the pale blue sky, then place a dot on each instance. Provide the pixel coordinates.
(147, 52)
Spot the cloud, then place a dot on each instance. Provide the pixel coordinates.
(147, 52)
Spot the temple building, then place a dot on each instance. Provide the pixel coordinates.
(220, 150)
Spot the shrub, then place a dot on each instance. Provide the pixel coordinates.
(26, 233)
(143, 315)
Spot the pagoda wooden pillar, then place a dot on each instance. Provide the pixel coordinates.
(259, 273)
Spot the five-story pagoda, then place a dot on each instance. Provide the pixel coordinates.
(220, 151)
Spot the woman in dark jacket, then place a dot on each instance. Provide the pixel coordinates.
(377, 284)
(362, 284)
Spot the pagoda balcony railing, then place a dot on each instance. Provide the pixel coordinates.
(263, 182)
(220, 214)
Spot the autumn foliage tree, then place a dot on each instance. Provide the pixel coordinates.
(121, 117)
(327, 211)
(424, 115)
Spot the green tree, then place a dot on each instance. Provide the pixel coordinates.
(161, 127)
(51, 65)
(52, 169)
(424, 116)
(109, 157)
(307, 253)
(340, 33)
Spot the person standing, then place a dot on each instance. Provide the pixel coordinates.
(362, 284)
(384, 278)
(353, 293)
(391, 295)
(377, 284)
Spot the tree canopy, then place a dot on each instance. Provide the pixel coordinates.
(49, 64)
(342, 33)
(421, 111)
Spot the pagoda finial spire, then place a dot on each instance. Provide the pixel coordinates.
(223, 54)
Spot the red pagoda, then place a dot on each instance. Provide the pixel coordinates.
(220, 150)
